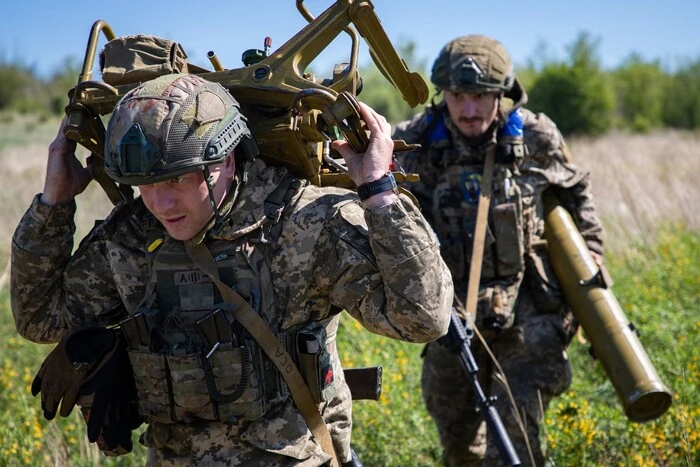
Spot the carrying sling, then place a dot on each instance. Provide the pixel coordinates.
(482, 217)
(253, 323)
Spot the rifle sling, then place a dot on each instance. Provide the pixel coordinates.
(482, 217)
(244, 314)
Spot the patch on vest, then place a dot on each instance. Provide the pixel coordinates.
(194, 276)
(195, 289)
(471, 187)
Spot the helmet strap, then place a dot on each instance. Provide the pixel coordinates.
(210, 188)
(502, 113)
(219, 213)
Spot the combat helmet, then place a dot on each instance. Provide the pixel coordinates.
(476, 63)
(172, 125)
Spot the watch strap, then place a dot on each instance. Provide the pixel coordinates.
(385, 183)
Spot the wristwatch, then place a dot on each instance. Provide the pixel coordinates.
(386, 183)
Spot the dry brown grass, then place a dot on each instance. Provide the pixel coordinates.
(639, 182)
(642, 181)
(22, 172)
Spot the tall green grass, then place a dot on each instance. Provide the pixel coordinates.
(659, 289)
(657, 284)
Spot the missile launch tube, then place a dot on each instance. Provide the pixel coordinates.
(613, 339)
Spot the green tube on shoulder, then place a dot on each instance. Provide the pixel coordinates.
(613, 338)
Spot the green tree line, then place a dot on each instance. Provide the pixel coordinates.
(576, 91)
(580, 95)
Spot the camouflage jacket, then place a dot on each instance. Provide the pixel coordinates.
(382, 266)
(449, 168)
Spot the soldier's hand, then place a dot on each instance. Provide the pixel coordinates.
(66, 177)
(376, 161)
(596, 258)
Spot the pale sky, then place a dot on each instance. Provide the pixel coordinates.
(42, 33)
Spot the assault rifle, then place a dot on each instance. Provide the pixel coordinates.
(458, 339)
(293, 115)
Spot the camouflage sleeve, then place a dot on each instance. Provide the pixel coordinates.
(409, 131)
(417, 162)
(578, 200)
(388, 273)
(550, 156)
(49, 293)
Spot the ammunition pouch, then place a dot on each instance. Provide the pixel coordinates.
(547, 293)
(139, 58)
(176, 388)
(503, 249)
(224, 381)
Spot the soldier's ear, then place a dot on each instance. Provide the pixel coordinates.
(229, 165)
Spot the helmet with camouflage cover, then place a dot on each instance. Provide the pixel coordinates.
(173, 125)
(475, 63)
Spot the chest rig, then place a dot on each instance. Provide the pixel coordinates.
(454, 209)
(455, 201)
(191, 359)
(459, 172)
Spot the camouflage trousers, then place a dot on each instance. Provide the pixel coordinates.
(533, 357)
(234, 444)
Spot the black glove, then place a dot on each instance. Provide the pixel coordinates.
(61, 375)
(114, 411)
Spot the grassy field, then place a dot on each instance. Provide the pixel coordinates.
(647, 197)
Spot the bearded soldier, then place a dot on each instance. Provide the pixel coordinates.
(478, 133)
(226, 276)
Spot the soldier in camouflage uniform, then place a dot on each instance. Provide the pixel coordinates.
(298, 254)
(520, 309)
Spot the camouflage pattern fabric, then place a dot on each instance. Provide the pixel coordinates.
(382, 266)
(473, 63)
(532, 351)
(225, 444)
(533, 357)
(176, 124)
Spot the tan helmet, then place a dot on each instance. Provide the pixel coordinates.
(473, 63)
(173, 125)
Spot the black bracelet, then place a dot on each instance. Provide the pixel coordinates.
(386, 183)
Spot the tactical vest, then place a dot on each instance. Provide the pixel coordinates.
(191, 359)
(455, 201)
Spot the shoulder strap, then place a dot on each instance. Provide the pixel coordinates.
(480, 235)
(245, 315)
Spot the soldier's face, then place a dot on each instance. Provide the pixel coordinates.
(182, 203)
(472, 113)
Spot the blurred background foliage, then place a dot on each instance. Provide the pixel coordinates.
(657, 280)
(639, 94)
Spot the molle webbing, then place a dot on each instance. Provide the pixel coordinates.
(179, 375)
(244, 314)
